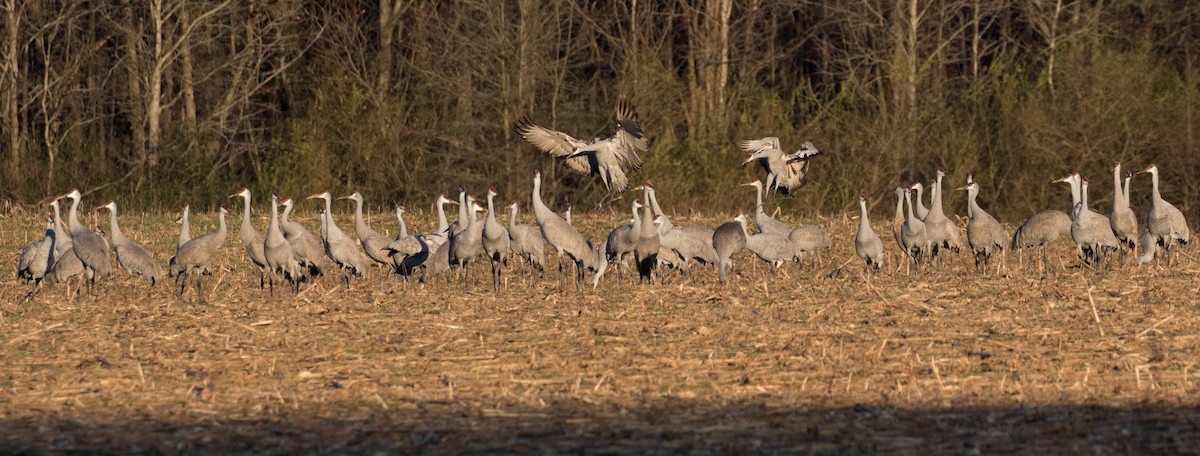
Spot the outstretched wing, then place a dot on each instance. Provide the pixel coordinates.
(807, 150)
(629, 136)
(755, 145)
(555, 143)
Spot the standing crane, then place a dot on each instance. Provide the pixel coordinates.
(280, 257)
(251, 239)
(1121, 219)
(195, 256)
(688, 242)
(765, 223)
(774, 249)
(623, 239)
(407, 251)
(919, 201)
(90, 247)
(985, 235)
(496, 243)
(645, 254)
(808, 240)
(526, 239)
(611, 159)
(307, 248)
(785, 172)
(866, 243)
(941, 230)
(557, 231)
(37, 259)
(373, 243)
(913, 234)
(131, 256)
(340, 248)
(728, 239)
(468, 245)
(898, 223)
(62, 239)
(1164, 221)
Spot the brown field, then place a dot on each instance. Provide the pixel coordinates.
(1072, 362)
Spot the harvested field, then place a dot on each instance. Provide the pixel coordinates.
(1076, 361)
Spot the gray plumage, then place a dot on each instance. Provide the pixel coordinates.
(37, 259)
(526, 239)
(1091, 231)
(130, 255)
(278, 251)
(785, 172)
(252, 241)
(912, 233)
(307, 248)
(340, 248)
(496, 243)
(610, 159)
(373, 243)
(62, 238)
(941, 231)
(1121, 218)
(919, 201)
(408, 251)
(688, 243)
(774, 249)
(557, 231)
(195, 256)
(1042, 228)
(645, 254)
(185, 227)
(866, 243)
(898, 219)
(765, 223)
(90, 247)
(623, 240)
(984, 234)
(440, 235)
(807, 240)
(728, 239)
(1164, 221)
(468, 245)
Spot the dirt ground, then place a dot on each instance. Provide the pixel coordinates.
(803, 361)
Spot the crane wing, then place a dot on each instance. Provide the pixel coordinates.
(755, 145)
(555, 143)
(807, 150)
(629, 135)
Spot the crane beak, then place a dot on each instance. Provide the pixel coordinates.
(960, 189)
(640, 187)
(316, 196)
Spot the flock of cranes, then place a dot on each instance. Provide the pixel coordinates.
(288, 254)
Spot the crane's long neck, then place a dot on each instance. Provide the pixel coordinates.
(1074, 192)
(1083, 195)
(863, 222)
(900, 204)
(745, 232)
(920, 196)
(331, 227)
(246, 212)
(654, 204)
(57, 218)
(637, 221)
(972, 205)
(75, 226)
(185, 227)
(112, 222)
(274, 227)
(462, 207)
(491, 217)
(758, 199)
(360, 226)
(443, 225)
(1117, 195)
(908, 206)
(1126, 190)
(221, 228)
(287, 211)
(1156, 197)
(403, 226)
(539, 207)
(512, 219)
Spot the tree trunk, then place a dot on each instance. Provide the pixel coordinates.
(187, 80)
(11, 89)
(154, 104)
(135, 100)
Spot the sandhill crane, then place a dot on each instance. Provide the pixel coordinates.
(785, 172)
(131, 256)
(251, 239)
(526, 239)
(1040, 229)
(407, 251)
(984, 234)
(90, 247)
(185, 227)
(468, 245)
(464, 205)
(62, 239)
(728, 239)
(942, 232)
(1090, 230)
(307, 248)
(439, 236)
(919, 201)
(809, 240)
(280, 257)
(195, 256)
(373, 243)
(340, 248)
(567, 213)
(496, 243)
(611, 158)
(1164, 221)
(765, 223)
(774, 249)
(1121, 218)
(913, 236)
(645, 254)
(556, 231)
(558, 250)
(898, 222)
(689, 242)
(623, 239)
(38, 258)
(866, 243)
(1149, 247)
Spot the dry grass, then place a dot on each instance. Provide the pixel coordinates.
(947, 363)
